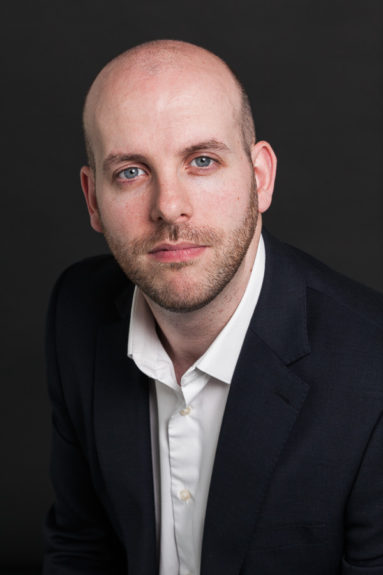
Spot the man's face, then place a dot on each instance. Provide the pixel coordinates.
(175, 191)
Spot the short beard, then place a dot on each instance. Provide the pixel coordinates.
(230, 252)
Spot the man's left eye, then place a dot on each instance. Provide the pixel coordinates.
(202, 162)
(131, 173)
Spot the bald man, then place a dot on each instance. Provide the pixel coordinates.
(217, 395)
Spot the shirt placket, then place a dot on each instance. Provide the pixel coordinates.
(184, 457)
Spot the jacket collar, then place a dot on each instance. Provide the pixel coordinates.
(280, 319)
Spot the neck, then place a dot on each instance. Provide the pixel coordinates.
(186, 336)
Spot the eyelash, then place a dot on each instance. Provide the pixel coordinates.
(130, 168)
(211, 160)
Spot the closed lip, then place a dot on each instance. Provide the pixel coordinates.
(165, 247)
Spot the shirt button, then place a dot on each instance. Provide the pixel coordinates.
(185, 495)
(186, 410)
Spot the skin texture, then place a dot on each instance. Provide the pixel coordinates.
(176, 187)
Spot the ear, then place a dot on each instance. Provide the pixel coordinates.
(89, 188)
(265, 167)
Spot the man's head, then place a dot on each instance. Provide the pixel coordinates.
(155, 57)
(176, 180)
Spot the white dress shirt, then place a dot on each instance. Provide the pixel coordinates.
(186, 421)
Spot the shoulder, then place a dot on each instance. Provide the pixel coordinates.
(335, 322)
(352, 300)
(90, 287)
(359, 303)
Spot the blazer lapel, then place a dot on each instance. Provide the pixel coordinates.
(264, 402)
(122, 430)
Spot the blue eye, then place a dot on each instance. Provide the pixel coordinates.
(131, 173)
(202, 162)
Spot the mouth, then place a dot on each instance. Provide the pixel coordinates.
(181, 252)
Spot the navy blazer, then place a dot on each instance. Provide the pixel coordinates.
(297, 483)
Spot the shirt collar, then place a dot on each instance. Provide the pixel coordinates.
(220, 359)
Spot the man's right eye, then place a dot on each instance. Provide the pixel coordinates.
(130, 173)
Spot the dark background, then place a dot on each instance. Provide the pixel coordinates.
(313, 71)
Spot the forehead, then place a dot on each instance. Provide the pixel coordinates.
(169, 107)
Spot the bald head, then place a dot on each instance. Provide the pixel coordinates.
(158, 58)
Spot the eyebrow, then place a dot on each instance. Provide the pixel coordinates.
(115, 159)
(208, 145)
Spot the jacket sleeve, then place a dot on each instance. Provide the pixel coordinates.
(364, 516)
(78, 535)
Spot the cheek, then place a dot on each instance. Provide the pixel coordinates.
(120, 217)
(228, 198)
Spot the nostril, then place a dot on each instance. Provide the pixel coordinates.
(171, 210)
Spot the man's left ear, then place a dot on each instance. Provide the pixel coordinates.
(265, 167)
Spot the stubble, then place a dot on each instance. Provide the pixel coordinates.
(163, 282)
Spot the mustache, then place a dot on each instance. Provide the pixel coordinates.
(203, 235)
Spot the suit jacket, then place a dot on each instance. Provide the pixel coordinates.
(297, 484)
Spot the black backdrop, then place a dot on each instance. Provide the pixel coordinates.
(313, 70)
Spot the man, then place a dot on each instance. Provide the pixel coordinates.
(217, 396)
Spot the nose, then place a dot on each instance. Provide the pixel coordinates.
(170, 201)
